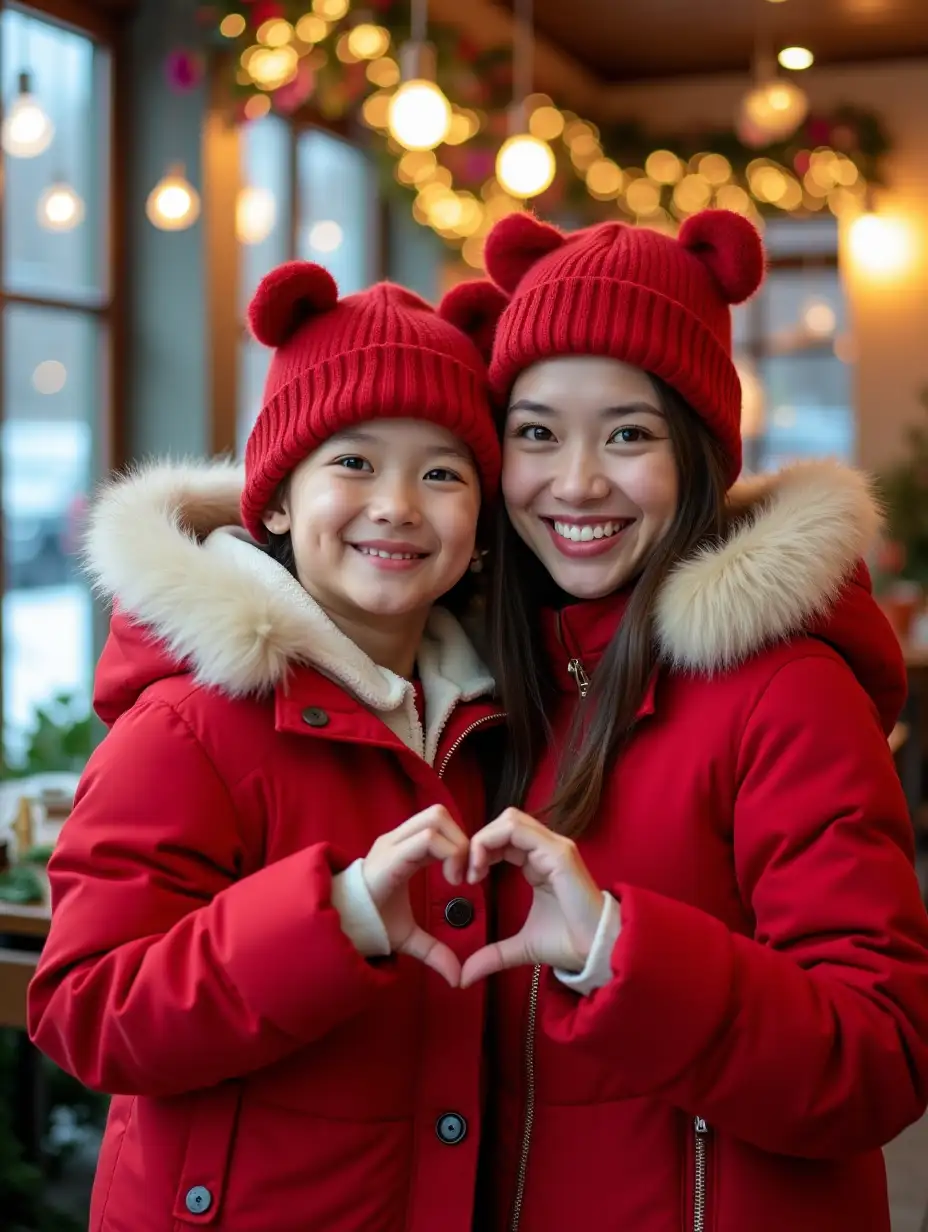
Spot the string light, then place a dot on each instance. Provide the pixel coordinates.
(173, 204)
(368, 42)
(232, 26)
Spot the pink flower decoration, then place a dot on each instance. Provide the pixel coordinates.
(265, 10)
(291, 97)
(183, 70)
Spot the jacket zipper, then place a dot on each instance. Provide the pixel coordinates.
(529, 1099)
(487, 718)
(575, 669)
(701, 1132)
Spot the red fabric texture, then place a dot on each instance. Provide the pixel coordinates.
(382, 353)
(771, 974)
(655, 302)
(196, 967)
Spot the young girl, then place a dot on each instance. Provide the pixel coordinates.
(711, 847)
(294, 736)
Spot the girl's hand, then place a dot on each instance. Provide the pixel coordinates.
(566, 907)
(428, 836)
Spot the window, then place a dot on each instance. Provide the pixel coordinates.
(321, 193)
(793, 349)
(56, 307)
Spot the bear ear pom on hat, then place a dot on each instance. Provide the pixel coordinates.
(730, 248)
(475, 307)
(288, 296)
(726, 243)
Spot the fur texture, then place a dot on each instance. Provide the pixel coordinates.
(165, 542)
(794, 539)
(240, 620)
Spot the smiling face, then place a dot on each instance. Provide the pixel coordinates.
(590, 480)
(382, 520)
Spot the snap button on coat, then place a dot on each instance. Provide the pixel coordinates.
(459, 912)
(198, 1200)
(314, 717)
(451, 1128)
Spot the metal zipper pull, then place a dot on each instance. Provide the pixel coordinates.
(575, 669)
(699, 1180)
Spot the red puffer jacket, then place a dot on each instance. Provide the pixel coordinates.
(266, 1075)
(765, 1029)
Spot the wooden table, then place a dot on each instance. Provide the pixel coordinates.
(22, 933)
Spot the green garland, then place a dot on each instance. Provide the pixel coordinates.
(480, 80)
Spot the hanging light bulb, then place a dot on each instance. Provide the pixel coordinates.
(255, 215)
(60, 208)
(774, 108)
(525, 164)
(27, 129)
(173, 204)
(419, 116)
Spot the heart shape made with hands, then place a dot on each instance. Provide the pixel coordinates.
(566, 903)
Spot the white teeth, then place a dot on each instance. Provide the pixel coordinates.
(584, 534)
(387, 555)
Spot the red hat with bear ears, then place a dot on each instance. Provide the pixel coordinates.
(634, 294)
(383, 353)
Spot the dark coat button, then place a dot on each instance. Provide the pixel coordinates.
(451, 1128)
(315, 717)
(459, 912)
(198, 1200)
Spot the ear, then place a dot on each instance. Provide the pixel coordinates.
(730, 248)
(288, 296)
(475, 308)
(277, 521)
(514, 245)
(276, 517)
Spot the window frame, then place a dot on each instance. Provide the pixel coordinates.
(106, 308)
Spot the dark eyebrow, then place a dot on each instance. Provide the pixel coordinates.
(358, 436)
(608, 412)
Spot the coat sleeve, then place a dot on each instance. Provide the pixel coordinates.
(166, 969)
(811, 1037)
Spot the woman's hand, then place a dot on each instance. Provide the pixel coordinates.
(567, 903)
(393, 859)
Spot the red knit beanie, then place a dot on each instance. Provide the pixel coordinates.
(383, 353)
(634, 294)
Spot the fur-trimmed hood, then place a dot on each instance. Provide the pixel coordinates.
(159, 543)
(165, 544)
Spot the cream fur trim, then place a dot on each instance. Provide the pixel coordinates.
(796, 537)
(165, 542)
(241, 621)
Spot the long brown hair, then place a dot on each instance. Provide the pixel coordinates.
(521, 586)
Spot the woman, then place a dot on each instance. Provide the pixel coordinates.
(713, 1006)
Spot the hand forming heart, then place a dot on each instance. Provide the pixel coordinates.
(566, 906)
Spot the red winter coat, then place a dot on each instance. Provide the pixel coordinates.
(267, 1077)
(765, 1029)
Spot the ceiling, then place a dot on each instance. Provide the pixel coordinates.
(627, 40)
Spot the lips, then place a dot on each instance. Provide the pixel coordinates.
(588, 536)
(386, 549)
(577, 532)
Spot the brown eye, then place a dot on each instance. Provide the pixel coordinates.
(534, 432)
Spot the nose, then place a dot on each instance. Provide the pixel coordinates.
(579, 479)
(394, 503)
